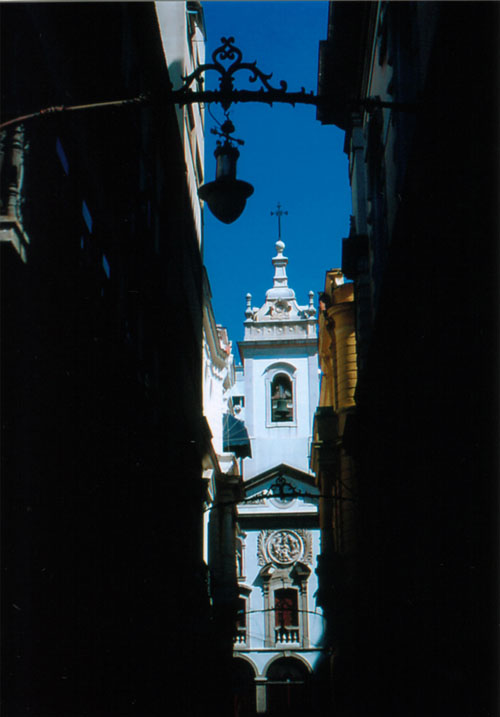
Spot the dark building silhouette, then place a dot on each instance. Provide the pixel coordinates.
(106, 605)
(420, 636)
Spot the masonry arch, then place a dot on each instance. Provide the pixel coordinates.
(243, 675)
(297, 656)
(288, 687)
(280, 366)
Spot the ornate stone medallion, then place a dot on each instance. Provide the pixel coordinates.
(284, 547)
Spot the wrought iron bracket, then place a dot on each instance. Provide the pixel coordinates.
(226, 95)
(226, 99)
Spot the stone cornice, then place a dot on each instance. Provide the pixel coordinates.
(265, 343)
(274, 331)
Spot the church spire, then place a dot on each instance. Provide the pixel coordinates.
(280, 289)
(280, 262)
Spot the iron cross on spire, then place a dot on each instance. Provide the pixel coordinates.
(279, 213)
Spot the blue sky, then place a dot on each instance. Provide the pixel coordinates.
(288, 156)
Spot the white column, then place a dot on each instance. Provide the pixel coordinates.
(260, 694)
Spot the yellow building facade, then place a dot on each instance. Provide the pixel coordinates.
(329, 459)
(333, 466)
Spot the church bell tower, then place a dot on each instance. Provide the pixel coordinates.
(280, 359)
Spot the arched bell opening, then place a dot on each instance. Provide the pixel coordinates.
(281, 399)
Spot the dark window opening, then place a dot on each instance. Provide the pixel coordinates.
(286, 608)
(239, 558)
(241, 615)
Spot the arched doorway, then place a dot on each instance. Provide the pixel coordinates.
(288, 688)
(243, 688)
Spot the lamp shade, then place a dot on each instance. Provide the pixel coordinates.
(226, 198)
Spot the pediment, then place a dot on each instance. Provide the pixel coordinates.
(280, 489)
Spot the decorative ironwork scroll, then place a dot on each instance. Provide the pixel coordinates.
(227, 94)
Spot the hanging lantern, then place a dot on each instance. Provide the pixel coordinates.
(227, 196)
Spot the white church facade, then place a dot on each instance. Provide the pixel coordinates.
(278, 646)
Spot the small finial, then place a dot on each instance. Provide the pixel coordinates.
(279, 213)
(248, 311)
(311, 309)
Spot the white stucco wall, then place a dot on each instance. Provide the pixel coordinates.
(183, 53)
(214, 399)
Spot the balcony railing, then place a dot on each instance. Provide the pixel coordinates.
(241, 637)
(287, 635)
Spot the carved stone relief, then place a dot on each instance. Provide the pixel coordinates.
(284, 547)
